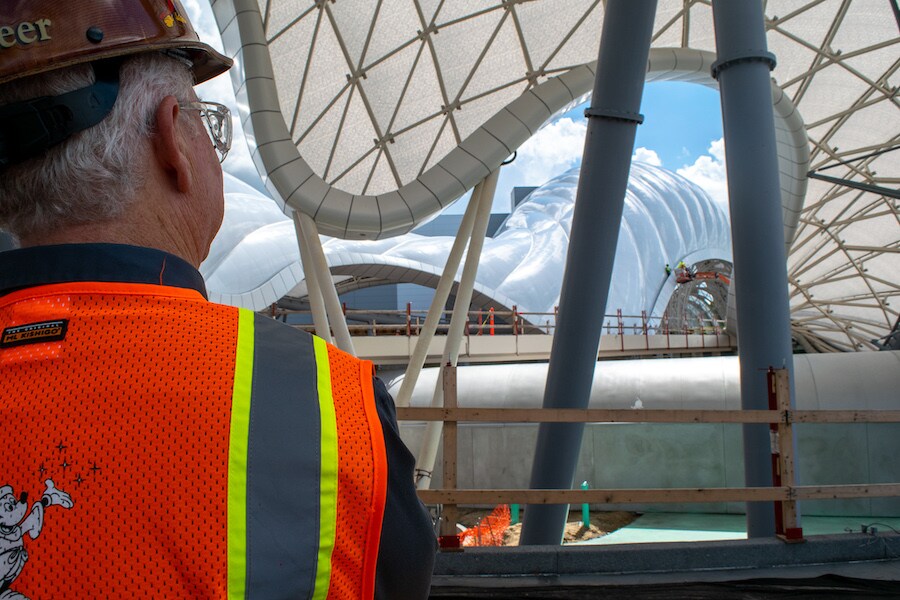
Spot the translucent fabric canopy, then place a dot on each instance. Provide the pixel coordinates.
(371, 116)
(255, 260)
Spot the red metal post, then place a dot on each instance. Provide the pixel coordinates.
(515, 320)
(408, 319)
(644, 326)
(702, 334)
(666, 325)
(621, 327)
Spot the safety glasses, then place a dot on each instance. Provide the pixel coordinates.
(217, 119)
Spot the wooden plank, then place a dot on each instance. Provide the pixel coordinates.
(845, 416)
(868, 490)
(627, 415)
(659, 496)
(786, 447)
(618, 496)
(449, 512)
(591, 415)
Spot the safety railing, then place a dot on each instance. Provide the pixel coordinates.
(376, 322)
(781, 417)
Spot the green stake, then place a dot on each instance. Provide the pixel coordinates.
(585, 509)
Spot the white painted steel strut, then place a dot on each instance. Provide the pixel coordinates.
(441, 293)
(428, 452)
(336, 318)
(313, 290)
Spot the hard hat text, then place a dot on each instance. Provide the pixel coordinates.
(25, 33)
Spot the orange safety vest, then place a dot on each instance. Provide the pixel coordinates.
(158, 445)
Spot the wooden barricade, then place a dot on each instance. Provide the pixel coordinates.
(785, 493)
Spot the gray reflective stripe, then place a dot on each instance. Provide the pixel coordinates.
(282, 465)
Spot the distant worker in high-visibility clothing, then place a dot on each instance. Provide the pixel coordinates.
(156, 445)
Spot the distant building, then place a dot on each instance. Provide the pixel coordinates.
(518, 195)
(448, 225)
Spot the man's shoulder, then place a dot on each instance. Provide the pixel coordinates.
(276, 332)
(268, 327)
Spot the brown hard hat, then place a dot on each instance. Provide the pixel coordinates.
(43, 35)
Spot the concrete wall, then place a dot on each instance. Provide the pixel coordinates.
(621, 455)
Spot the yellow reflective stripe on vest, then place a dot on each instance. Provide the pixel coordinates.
(241, 487)
(328, 485)
(237, 457)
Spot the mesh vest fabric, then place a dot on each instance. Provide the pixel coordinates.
(151, 414)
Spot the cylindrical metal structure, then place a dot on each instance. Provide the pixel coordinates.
(326, 283)
(599, 202)
(833, 381)
(313, 291)
(760, 267)
(426, 457)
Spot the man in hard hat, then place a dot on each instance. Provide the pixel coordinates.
(189, 449)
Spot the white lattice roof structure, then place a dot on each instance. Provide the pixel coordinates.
(371, 116)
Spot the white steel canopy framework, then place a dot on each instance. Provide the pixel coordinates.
(370, 116)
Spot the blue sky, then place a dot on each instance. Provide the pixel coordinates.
(682, 132)
(681, 119)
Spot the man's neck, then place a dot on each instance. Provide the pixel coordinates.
(117, 232)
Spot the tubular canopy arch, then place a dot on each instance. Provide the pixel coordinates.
(343, 213)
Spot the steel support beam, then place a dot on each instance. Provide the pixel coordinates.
(757, 230)
(892, 340)
(857, 185)
(441, 293)
(599, 202)
(428, 452)
(313, 291)
(310, 235)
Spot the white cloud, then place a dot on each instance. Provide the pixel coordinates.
(552, 150)
(708, 171)
(645, 155)
(201, 16)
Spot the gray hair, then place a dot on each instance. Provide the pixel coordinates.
(92, 176)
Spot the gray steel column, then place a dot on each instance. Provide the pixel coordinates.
(757, 228)
(599, 201)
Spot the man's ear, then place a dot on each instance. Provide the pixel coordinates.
(168, 144)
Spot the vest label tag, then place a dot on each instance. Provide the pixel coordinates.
(34, 333)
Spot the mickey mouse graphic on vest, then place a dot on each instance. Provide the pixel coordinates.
(15, 525)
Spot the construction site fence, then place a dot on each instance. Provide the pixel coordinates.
(780, 417)
(489, 321)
